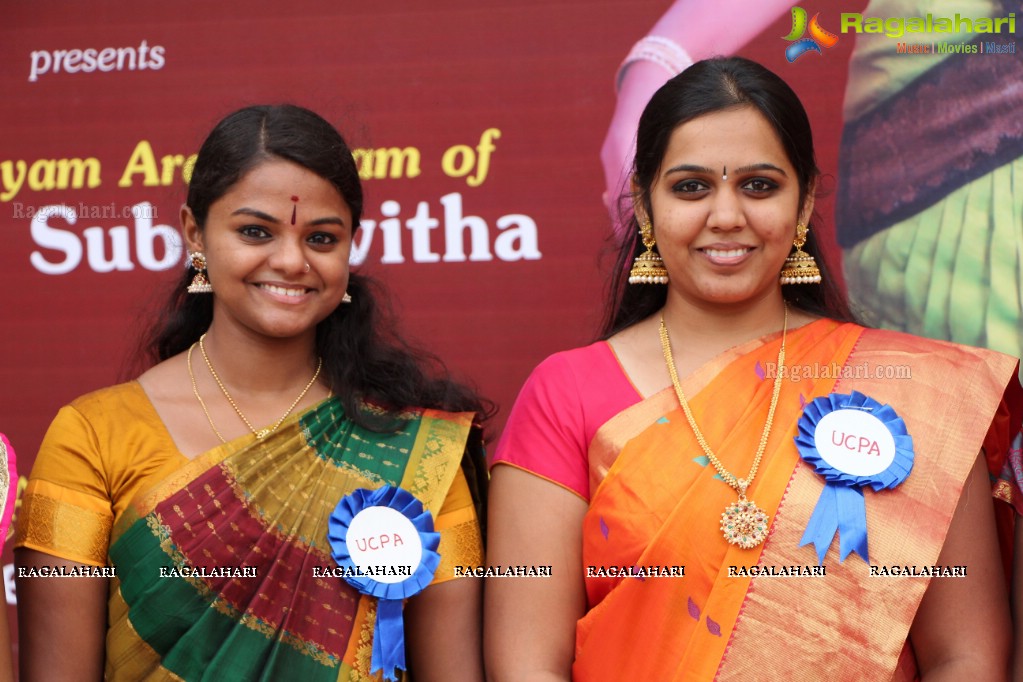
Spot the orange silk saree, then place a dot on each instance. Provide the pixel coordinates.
(656, 501)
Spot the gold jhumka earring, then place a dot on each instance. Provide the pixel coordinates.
(648, 268)
(800, 267)
(199, 285)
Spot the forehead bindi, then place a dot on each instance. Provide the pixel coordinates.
(294, 208)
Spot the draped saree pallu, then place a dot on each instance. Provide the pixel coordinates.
(657, 501)
(261, 509)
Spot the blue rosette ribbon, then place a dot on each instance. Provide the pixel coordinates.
(389, 631)
(841, 507)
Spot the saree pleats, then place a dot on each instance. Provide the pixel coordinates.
(260, 509)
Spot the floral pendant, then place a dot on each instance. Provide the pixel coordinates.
(744, 523)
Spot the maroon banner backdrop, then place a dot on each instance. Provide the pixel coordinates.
(478, 131)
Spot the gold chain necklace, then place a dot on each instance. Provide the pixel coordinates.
(260, 434)
(742, 523)
(195, 390)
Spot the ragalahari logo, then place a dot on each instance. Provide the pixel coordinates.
(800, 45)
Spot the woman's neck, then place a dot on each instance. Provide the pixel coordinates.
(723, 326)
(258, 365)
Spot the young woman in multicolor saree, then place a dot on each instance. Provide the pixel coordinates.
(678, 476)
(211, 484)
(8, 497)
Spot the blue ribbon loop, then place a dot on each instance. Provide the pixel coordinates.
(841, 508)
(389, 631)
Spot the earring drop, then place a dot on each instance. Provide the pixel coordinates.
(800, 267)
(199, 285)
(648, 268)
(346, 298)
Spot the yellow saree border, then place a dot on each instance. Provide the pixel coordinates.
(948, 414)
(436, 456)
(54, 518)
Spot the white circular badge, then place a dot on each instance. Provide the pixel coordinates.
(854, 442)
(381, 538)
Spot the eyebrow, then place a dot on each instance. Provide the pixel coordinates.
(691, 168)
(255, 213)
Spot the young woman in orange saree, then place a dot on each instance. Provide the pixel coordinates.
(209, 546)
(692, 407)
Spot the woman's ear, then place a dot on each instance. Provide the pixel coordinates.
(638, 208)
(190, 230)
(806, 212)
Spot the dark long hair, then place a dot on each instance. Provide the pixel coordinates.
(704, 88)
(362, 362)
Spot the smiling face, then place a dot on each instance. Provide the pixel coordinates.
(277, 246)
(724, 236)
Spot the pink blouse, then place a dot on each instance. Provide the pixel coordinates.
(563, 403)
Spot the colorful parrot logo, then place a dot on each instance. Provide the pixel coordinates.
(800, 45)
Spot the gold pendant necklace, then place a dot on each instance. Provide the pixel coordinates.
(261, 433)
(743, 523)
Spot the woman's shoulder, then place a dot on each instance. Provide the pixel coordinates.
(90, 427)
(580, 377)
(937, 353)
(109, 400)
(391, 419)
(596, 356)
(586, 382)
(965, 373)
